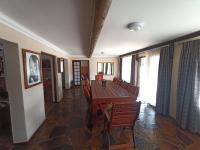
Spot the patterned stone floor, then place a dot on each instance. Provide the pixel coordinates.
(65, 129)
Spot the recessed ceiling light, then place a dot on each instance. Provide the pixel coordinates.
(135, 26)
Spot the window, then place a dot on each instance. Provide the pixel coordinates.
(107, 68)
(126, 68)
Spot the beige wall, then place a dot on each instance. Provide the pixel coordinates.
(175, 68)
(33, 113)
(93, 66)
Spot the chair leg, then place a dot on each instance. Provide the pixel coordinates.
(133, 136)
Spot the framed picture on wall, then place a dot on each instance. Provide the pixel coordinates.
(60, 65)
(32, 68)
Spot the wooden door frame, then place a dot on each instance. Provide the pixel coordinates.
(54, 72)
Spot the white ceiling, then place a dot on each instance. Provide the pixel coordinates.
(163, 20)
(66, 23)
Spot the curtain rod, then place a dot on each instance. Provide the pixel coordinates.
(179, 39)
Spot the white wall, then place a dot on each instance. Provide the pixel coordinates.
(93, 66)
(59, 88)
(67, 79)
(13, 80)
(31, 103)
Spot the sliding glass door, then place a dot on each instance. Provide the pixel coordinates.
(148, 76)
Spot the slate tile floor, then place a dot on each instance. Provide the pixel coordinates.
(65, 129)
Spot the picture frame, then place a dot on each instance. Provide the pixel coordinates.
(32, 68)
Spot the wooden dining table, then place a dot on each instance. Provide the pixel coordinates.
(111, 93)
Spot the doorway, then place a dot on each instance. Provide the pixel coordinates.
(80, 71)
(49, 80)
(5, 119)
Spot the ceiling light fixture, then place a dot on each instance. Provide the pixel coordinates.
(135, 26)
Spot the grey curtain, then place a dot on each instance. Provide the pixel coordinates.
(188, 90)
(133, 70)
(106, 69)
(164, 79)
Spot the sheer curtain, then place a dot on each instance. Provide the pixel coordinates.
(148, 75)
(126, 68)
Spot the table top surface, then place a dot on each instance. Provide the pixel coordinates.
(111, 90)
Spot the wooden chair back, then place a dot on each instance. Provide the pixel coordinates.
(117, 81)
(124, 84)
(124, 115)
(133, 90)
(99, 77)
(114, 79)
(120, 82)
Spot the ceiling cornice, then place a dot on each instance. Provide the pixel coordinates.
(16, 26)
(181, 38)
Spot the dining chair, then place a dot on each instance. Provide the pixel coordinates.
(122, 115)
(120, 82)
(115, 80)
(86, 82)
(87, 94)
(99, 77)
(124, 84)
(133, 90)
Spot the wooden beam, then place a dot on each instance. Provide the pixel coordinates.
(101, 8)
(182, 38)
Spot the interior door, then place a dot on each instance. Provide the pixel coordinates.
(77, 72)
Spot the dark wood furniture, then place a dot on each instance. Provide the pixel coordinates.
(123, 115)
(111, 93)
